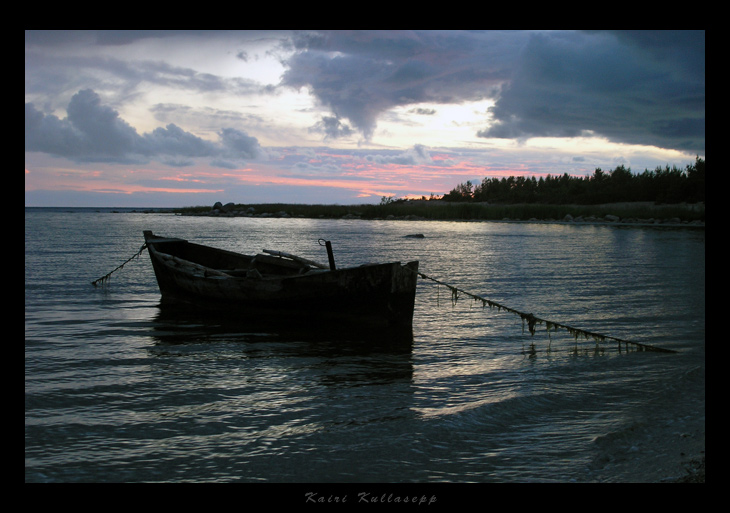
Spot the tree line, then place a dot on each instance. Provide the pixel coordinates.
(663, 185)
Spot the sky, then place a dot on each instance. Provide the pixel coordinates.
(187, 118)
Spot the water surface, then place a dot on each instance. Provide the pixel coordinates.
(119, 389)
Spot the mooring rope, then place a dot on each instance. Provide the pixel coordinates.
(528, 318)
(532, 321)
(106, 277)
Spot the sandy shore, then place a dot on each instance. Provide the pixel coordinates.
(673, 452)
(670, 447)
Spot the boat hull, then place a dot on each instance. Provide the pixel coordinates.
(374, 294)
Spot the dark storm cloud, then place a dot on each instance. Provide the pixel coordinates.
(639, 87)
(93, 132)
(360, 75)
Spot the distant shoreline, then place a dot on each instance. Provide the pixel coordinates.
(642, 213)
(437, 210)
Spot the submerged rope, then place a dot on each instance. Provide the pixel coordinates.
(532, 321)
(106, 277)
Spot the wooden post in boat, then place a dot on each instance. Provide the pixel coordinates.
(330, 256)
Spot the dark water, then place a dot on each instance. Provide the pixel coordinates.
(118, 389)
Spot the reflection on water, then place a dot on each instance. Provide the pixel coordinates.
(178, 324)
(372, 355)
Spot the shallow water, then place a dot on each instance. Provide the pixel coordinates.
(119, 389)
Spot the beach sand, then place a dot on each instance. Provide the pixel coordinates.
(670, 447)
(673, 452)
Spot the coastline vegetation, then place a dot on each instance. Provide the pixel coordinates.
(662, 186)
(660, 195)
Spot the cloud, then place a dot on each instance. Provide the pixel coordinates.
(332, 128)
(360, 75)
(413, 156)
(638, 87)
(93, 132)
(54, 77)
(423, 112)
(238, 144)
(173, 140)
(641, 88)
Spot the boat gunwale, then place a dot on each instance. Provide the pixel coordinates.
(380, 293)
(310, 272)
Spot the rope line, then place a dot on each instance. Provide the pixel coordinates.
(106, 277)
(528, 318)
(532, 321)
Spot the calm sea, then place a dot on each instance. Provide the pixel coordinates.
(119, 390)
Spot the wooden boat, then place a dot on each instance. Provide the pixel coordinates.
(282, 285)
